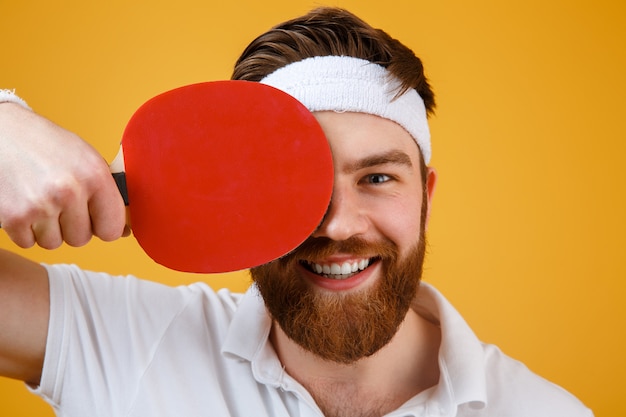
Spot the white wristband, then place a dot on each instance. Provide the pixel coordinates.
(10, 97)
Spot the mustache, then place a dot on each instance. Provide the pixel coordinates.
(316, 248)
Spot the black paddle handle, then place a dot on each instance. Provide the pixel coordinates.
(120, 180)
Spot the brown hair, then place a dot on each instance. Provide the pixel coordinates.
(332, 31)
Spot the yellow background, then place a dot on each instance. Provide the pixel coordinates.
(528, 233)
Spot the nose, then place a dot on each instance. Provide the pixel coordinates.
(345, 217)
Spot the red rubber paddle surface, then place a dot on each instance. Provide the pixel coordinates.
(224, 175)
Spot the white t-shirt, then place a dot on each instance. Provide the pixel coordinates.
(124, 347)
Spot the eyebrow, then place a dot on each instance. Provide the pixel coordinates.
(395, 157)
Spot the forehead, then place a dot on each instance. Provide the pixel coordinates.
(353, 136)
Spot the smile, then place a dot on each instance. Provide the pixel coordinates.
(337, 271)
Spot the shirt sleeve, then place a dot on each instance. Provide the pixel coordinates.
(101, 337)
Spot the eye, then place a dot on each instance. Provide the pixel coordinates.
(377, 179)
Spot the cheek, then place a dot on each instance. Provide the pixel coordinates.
(399, 221)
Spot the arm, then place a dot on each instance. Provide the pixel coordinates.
(24, 313)
(54, 187)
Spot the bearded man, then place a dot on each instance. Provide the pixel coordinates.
(341, 326)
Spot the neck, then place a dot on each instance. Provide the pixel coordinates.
(403, 368)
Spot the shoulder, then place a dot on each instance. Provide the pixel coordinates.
(512, 387)
(486, 381)
(101, 290)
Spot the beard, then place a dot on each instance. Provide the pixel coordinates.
(342, 327)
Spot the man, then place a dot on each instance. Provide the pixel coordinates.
(341, 326)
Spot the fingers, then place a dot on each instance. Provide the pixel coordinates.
(23, 237)
(45, 232)
(49, 224)
(74, 226)
(74, 222)
(108, 213)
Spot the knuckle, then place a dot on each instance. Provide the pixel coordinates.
(16, 218)
(93, 171)
(61, 191)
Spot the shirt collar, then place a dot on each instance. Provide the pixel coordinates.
(461, 355)
(461, 358)
(249, 330)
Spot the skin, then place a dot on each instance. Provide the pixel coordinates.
(377, 195)
(377, 191)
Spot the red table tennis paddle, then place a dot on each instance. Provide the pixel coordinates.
(225, 175)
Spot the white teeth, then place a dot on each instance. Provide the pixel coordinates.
(340, 271)
(363, 263)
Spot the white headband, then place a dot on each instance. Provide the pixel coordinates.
(340, 83)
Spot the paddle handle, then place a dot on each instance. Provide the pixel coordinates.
(120, 180)
(118, 169)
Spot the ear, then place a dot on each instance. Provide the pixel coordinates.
(431, 182)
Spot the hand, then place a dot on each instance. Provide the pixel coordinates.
(54, 186)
